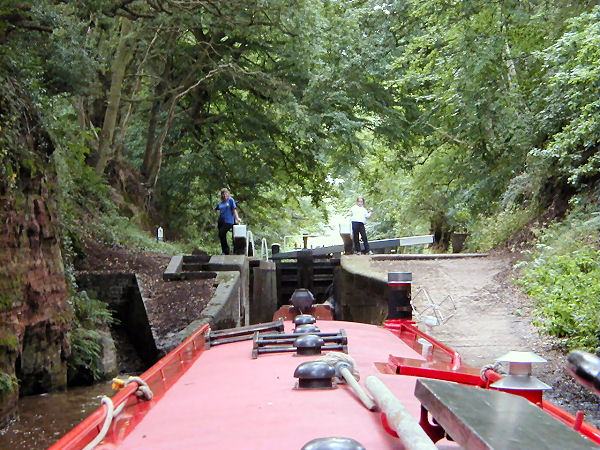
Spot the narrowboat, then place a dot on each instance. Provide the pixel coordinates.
(306, 381)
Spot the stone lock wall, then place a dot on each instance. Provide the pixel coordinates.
(122, 293)
(222, 311)
(361, 295)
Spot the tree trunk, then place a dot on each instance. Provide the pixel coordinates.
(154, 145)
(122, 56)
(441, 233)
(153, 152)
(120, 144)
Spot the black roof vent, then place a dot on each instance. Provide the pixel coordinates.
(308, 328)
(314, 375)
(308, 344)
(302, 299)
(304, 319)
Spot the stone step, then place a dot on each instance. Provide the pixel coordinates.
(176, 276)
(316, 262)
(196, 259)
(328, 278)
(323, 277)
(193, 267)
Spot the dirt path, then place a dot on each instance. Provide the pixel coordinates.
(492, 317)
(484, 324)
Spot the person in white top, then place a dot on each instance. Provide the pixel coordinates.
(359, 215)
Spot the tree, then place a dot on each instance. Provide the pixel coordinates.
(473, 71)
(122, 56)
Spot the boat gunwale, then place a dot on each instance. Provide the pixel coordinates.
(87, 430)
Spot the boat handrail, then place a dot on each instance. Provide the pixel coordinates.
(408, 326)
(264, 249)
(250, 243)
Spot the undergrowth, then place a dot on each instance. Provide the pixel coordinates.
(91, 318)
(115, 230)
(8, 382)
(494, 231)
(562, 277)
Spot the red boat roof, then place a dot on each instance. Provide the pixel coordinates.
(226, 399)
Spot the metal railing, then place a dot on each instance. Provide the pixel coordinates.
(264, 250)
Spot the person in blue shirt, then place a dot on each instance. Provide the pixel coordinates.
(228, 217)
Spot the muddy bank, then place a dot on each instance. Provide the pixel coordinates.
(171, 305)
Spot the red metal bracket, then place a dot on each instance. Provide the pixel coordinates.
(434, 431)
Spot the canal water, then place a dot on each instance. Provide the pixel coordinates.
(43, 419)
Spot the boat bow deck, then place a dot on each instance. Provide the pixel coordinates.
(228, 400)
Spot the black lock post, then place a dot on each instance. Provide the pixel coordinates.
(399, 306)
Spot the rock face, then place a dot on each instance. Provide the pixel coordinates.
(34, 312)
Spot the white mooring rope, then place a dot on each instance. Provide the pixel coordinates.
(143, 392)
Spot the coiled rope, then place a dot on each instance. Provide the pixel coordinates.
(142, 392)
(496, 367)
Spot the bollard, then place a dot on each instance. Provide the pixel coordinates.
(346, 235)
(159, 234)
(240, 240)
(305, 269)
(399, 306)
(305, 240)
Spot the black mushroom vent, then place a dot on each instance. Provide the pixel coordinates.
(308, 344)
(306, 328)
(314, 375)
(304, 319)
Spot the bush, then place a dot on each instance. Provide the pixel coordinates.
(8, 383)
(563, 280)
(490, 232)
(91, 317)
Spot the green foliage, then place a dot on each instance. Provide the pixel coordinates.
(570, 112)
(8, 383)
(563, 280)
(567, 291)
(88, 205)
(503, 116)
(471, 116)
(494, 231)
(579, 229)
(91, 317)
(18, 157)
(8, 340)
